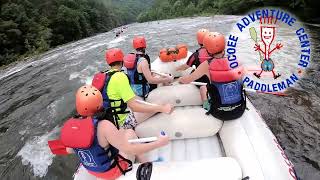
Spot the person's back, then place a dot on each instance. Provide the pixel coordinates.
(225, 90)
(199, 56)
(119, 89)
(142, 80)
(226, 99)
(119, 94)
(102, 148)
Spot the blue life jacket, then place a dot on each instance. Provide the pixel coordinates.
(226, 95)
(96, 158)
(137, 80)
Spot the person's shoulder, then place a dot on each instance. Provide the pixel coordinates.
(119, 78)
(143, 60)
(119, 75)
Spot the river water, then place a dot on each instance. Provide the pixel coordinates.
(37, 96)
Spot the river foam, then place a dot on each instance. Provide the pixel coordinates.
(36, 153)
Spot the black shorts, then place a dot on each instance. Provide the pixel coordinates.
(203, 79)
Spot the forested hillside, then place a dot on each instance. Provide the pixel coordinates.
(29, 27)
(307, 10)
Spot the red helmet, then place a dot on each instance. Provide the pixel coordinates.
(139, 42)
(88, 100)
(114, 55)
(200, 35)
(214, 42)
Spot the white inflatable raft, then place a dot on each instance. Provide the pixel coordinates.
(203, 147)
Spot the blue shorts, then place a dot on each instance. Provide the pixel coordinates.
(267, 65)
(137, 89)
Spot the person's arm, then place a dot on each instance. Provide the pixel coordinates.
(70, 150)
(203, 69)
(139, 106)
(188, 63)
(148, 75)
(127, 95)
(182, 67)
(119, 141)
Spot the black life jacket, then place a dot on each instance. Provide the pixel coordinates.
(199, 56)
(131, 63)
(226, 95)
(101, 82)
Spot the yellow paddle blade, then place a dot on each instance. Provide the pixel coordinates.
(253, 34)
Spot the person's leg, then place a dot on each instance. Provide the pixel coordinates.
(130, 134)
(203, 93)
(204, 98)
(141, 117)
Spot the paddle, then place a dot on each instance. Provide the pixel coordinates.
(143, 140)
(247, 89)
(198, 83)
(161, 74)
(57, 147)
(254, 37)
(147, 139)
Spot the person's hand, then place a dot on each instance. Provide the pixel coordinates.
(279, 45)
(169, 79)
(179, 68)
(184, 80)
(167, 108)
(162, 140)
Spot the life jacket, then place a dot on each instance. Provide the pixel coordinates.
(199, 56)
(173, 54)
(131, 63)
(101, 81)
(226, 95)
(81, 135)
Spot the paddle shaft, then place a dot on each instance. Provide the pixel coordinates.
(143, 140)
(247, 89)
(161, 74)
(198, 83)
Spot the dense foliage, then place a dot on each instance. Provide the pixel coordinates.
(29, 27)
(164, 9)
(32, 26)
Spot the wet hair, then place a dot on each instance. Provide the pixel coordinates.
(143, 50)
(117, 63)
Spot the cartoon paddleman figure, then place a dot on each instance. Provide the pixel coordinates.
(267, 34)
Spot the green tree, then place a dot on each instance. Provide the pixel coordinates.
(178, 7)
(190, 10)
